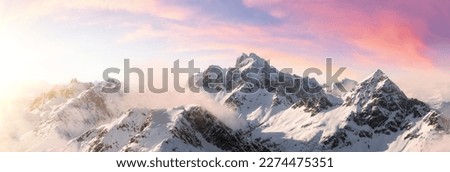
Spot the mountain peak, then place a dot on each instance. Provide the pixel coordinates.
(376, 78)
(74, 81)
(252, 60)
(378, 73)
(375, 86)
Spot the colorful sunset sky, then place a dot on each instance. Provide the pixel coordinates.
(56, 40)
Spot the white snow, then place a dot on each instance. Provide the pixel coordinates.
(82, 118)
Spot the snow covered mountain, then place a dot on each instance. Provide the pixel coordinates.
(67, 111)
(178, 129)
(272, 91)
(369, 118)
(284, 112)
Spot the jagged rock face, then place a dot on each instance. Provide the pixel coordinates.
(437, 121)
(218, 134)
(75, 108)
(338, 140)
(191, 129)
(440, 120)
(125, 130)
(381, 108)
(254, 80)
(313, 105)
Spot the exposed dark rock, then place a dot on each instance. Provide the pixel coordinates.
(218, 134)
(338, 140)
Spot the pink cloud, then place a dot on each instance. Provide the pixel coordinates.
(389, 36)
(393, 42)
(373, 34)
(186, 36)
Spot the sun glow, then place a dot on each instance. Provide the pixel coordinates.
(15, 62)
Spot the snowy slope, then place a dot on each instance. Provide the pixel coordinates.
(283, 112)
(178, 129)
(373, 116)
(66, 111)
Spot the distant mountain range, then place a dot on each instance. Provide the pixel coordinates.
(375, 115)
